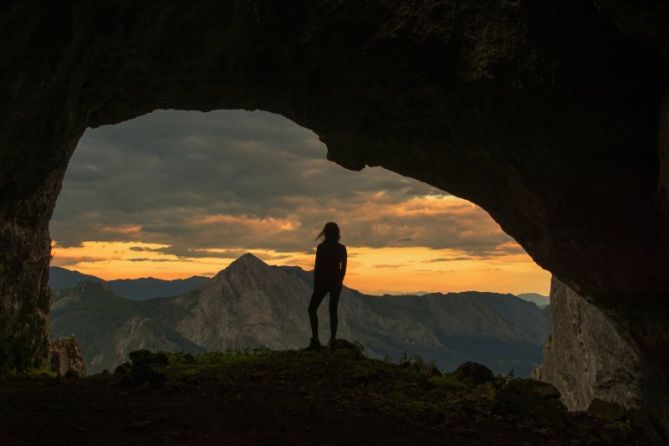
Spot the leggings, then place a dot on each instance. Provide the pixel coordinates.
(316, 299)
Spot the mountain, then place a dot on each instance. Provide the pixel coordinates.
(252, 304)
(538, 299)
(135, 289)
(109, 327)
(61, 278)
(150, 288)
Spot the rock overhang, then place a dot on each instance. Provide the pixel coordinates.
(545, 114)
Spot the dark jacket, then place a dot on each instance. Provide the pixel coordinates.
(330, 267)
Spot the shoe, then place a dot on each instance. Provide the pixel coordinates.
(314, 344)
(333, 343)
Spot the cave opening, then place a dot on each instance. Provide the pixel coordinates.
(178, 196)
(545, 115)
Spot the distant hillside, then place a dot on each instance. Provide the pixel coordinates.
(135, 289)
(109, 327)
(253, 304)
(61, 278)
(538, 299)
(150, 288)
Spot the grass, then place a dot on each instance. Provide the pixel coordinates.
(321, 397)
(412, 389)
(215, 360)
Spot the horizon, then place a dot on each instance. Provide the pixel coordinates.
(381, 293)
(177, 194)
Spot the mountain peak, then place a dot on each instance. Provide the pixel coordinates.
(247, 263)
(248, 260)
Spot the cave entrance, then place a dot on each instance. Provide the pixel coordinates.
(180, 195)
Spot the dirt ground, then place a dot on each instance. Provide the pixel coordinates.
(290, 397)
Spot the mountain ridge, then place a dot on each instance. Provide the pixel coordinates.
(538, 299)
(63, 278)
(136, 289)
(252, 304)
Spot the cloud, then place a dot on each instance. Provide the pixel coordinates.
(74, 260)
(215, 184)
(447, 259)
(146, 259)
(194, 253)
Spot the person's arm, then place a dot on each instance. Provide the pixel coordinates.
(317, 264)
(343, 259)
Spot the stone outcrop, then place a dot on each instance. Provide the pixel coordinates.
(546, 114)
(65, 357)
(596, 368)
(586, 357)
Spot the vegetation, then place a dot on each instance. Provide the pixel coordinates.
(329, 396)
(412, 389)
(212, 362)
(412, 393)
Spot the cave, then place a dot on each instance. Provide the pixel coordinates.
(551, 116)
(187, 195)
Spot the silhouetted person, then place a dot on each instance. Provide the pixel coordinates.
(329, 272)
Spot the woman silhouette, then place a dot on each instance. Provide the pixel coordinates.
(329, 272)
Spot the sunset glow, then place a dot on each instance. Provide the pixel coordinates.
(370, 270)
(175, 194)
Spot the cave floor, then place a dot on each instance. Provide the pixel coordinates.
(290, 397)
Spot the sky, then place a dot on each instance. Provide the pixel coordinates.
(174, 194)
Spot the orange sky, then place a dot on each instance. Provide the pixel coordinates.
(371, 270)
(176, 194)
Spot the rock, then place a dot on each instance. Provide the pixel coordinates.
(533, 388)
(141, 358)
(356, 349)
(148, 367)
(587, 357)
(65, 358)
(474, 373)
(529, 398)
(145, 368)
(545, 390)
(71, 374)
(606, 410)
(123, 369)
(548, 115)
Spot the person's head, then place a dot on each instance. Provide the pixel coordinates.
(330, 232)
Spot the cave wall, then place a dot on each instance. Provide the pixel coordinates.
(546, 114)
(589, 356)
(586, 356)
(663, 155)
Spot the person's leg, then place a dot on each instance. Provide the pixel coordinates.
(334, 318)
(316, 299)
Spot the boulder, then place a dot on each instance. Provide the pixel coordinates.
(65, 358)
(606, 410)
(528, 398)
(471, 372)
(148, 367)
